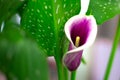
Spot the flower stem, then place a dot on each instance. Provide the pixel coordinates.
(62, 71)
(65, 74)
(73, 75)
(59, 69)
(113, 51)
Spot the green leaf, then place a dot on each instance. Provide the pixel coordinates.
(44, 21)
(103, 10)
(8, 8)
(20, 58)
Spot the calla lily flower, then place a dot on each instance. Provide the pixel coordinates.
(81, 31)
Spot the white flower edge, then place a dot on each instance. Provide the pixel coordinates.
(84, 6)
(92, 34)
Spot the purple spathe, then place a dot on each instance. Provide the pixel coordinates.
(86, 28)
(72, 61)
(80, 28)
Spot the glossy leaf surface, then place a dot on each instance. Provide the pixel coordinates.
(104, 10)
(45, 19)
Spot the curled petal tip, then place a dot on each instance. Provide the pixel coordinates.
(72, 61)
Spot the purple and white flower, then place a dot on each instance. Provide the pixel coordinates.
(81, 31)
